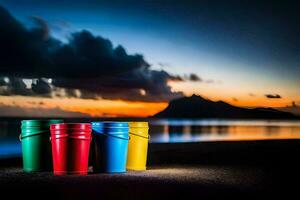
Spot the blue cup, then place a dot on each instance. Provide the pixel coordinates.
(110, 146)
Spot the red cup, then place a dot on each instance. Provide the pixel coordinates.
(70, 147)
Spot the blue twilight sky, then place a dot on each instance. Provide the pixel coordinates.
(251, 44)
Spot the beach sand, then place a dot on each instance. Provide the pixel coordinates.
(260, 169)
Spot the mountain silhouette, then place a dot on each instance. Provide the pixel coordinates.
(199, 107)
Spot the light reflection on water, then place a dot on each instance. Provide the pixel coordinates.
(176, 131)
(173, 131)
(9, 140)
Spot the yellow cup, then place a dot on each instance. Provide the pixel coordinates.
(138, 146)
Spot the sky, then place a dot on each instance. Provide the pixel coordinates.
(74, 57)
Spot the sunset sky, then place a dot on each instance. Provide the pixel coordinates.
(130, 58)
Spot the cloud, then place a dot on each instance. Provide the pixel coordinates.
(273, 96)
(176, 78)
(235, 99)
(41, 27)
(41, 86)
(22, 51)
(251, 95)
(194, 77)
(17, 86)
(14, 86)
(88, 63)
(17, 111)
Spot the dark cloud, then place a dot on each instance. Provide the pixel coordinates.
(89, 56)
(14, 86)
(42, 27)
(186, 77)
(41, 86)
(251, 95)
(235, 99)
(273, 96)
(190, 77)
(22, 51)
(17, 86)
(88, 63)
(176, 78)
(194, 77)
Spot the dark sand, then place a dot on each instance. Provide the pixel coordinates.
(199, 170)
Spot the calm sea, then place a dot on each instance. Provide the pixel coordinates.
(177, 131)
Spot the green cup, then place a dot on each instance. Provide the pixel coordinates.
(36, 146)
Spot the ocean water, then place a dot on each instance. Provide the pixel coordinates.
(180, 131)
(173, 131)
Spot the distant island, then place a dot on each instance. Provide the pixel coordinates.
(199, 107)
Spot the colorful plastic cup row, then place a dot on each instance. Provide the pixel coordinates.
(116, 146)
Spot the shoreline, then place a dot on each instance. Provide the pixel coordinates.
(235, 152)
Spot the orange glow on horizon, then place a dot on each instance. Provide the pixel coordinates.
(260, 102)
(118, 108)
(93, 108)
(122, 108)
(235, 95)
